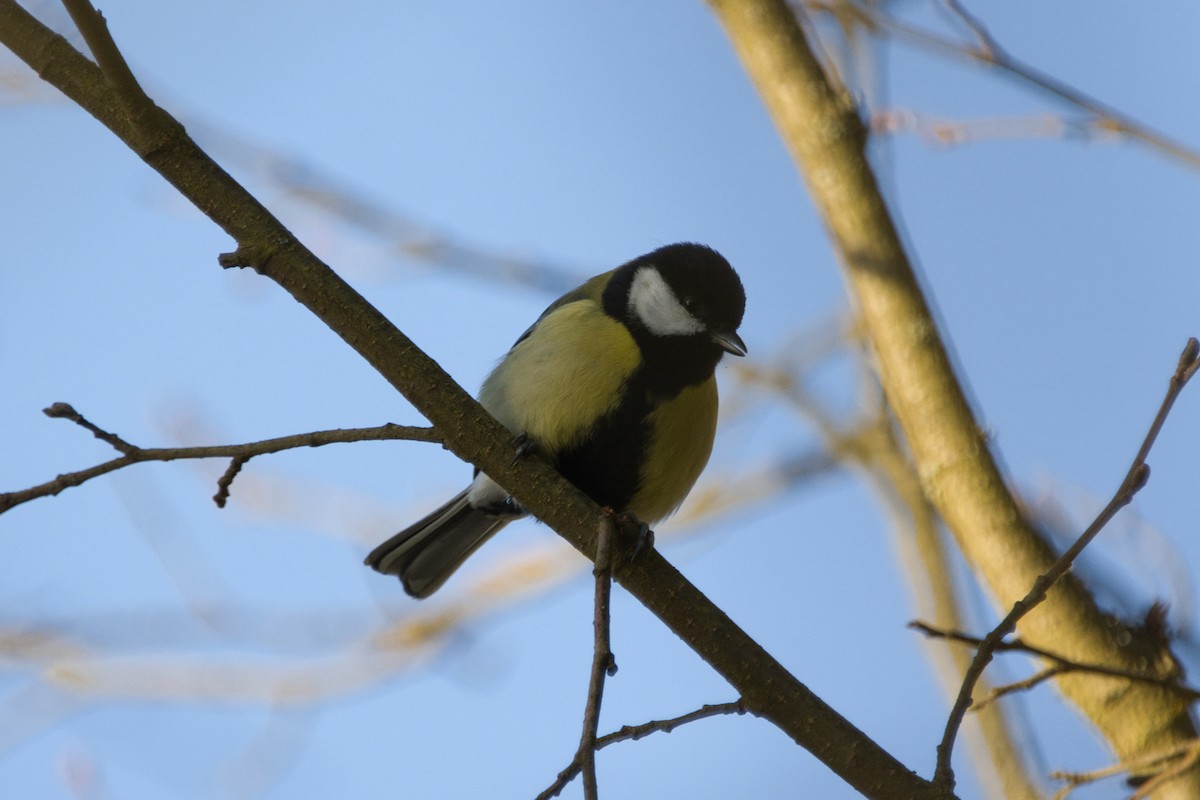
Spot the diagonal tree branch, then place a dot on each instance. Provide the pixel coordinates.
(819, 123)
(1135, 478)
(873, 446)
(266, 245)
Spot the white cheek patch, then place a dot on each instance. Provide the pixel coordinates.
(653, 303)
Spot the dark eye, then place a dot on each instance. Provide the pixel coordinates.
(689, 303)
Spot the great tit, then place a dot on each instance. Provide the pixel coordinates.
(614, 386)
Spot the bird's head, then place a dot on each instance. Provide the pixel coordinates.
(682, 293)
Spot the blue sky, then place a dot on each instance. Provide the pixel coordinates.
(579, 135)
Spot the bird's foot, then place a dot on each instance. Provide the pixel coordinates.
(635, 534)
(523, 445)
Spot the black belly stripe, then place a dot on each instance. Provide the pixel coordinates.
(606, 464)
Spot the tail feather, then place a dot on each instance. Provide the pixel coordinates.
(428, 552)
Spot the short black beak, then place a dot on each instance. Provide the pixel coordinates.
(730, 342)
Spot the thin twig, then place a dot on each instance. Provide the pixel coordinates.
(1077, 779)
(1108, 119)
(631, 733)
(226, 480)
(67, 411)
(242, 453)
(1188, 758)
(946, 132)
(635, 732)
(983, 37)
(1023, 685)
(1063, 664)
(603, 663)
(304, 182)
(1135, 479)
(1179, 757)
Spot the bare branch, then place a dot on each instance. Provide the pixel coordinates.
(986, 51)
(822, 129)
(945, 132)
(226, 480)
(871, 444)
(983, 37)
(1061, 662)
(1023, 685)
(1135, 479)
(120, 77)
(1165, 764)
(631, 733)
(67, 411)
(403, 234)
(603, 663)
(240, 453)
(635, 732)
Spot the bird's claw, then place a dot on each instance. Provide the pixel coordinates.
(643, 542)
(523, 445)
(633, 531)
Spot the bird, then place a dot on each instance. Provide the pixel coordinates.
(614, 385)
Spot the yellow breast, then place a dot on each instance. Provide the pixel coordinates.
(562, 377)
(683, 429)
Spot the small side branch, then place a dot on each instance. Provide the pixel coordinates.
(1060, 664)
(1165, 765)
(116, 71)
(67, 411)
(983, 38)
(631, 733)
(1135, 479)
(240, 453)
(226, 479)
(986, 50)
(94, 28)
